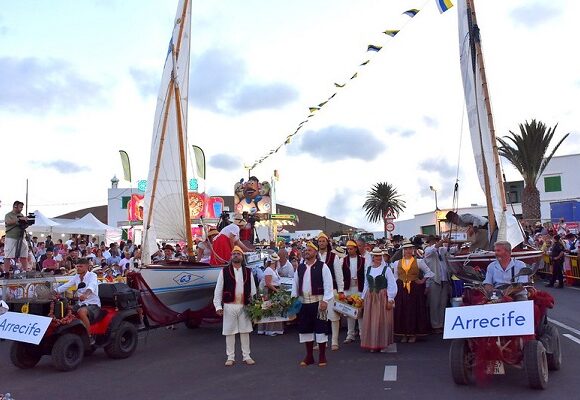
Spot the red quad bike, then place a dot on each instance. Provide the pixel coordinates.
(477, 359)
(67, 341)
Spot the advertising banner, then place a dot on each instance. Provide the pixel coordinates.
(488, 320)
(200, 205)
(23, 327)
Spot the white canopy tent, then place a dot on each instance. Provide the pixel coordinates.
(90, 225)
(42, 224)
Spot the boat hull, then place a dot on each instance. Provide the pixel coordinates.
(180, 286)
(484, 258)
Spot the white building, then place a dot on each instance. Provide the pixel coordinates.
(560, 182)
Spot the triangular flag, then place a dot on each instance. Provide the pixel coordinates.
(365, 63)
(372, 47)
(314, 109)
(412, 12)
(391, 32)
(444, 5)
(339, 85)
(354, 76)
(323, 103)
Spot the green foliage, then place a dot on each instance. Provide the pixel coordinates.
(380, 198)
(276, 305)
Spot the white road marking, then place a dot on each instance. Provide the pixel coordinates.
(390, 373)
(572, 338)
(573, 288)
(563, 325)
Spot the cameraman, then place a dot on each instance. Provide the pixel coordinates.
(16, 224)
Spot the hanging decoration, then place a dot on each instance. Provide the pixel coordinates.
(443, 5)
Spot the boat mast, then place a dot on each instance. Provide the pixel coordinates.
(475, 40)
(180, 130)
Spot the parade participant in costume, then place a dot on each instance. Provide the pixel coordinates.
(353, 267)
(271, 284)
(204, 248)
(362, 250)
(313, 284)
(234, 289)
(333, 259)
(439, 291)
(225, 241)
(380, 289)
(411, 315)
(387, 256)
(286, 270)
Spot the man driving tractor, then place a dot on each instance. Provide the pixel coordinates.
(504, 270)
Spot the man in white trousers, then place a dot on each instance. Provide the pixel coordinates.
(234, 289)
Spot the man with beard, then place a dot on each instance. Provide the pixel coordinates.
(353, 267)
(234, 289)
(362, 250)
(334, 262)
(439, 290)
(313, 284)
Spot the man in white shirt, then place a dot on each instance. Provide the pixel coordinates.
(313, 285)
(88, 306)
(286, 270)
(234, 289)
(362, 248)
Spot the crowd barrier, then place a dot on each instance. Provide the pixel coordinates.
(571, 268)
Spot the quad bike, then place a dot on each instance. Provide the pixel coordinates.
(67, 340)
(477, 359)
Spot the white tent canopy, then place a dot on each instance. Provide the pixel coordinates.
(42, 224)
(90, 225)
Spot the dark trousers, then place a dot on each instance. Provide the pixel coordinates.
(557, 272)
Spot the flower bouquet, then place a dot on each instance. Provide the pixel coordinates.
(280, 306)
(350, 305)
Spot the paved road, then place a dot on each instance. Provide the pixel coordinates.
(188, 364)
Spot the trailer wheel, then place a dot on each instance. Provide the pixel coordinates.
(536, 364)
(68, 352)
(461, 362)
(555, 358)
(24, 355)
(124, 341)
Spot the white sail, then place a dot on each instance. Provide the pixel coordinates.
(164, 212)
(481, 138)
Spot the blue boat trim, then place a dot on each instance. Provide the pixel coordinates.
(179, 288)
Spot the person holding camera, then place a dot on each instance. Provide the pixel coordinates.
(16, 224)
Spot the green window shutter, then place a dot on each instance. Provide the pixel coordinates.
(553, 183)
(124, 201)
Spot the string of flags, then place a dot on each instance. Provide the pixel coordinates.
(442, 5)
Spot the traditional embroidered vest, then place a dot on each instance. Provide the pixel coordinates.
(377, 283)
(360, 272)
(329, 261)
(229, 291)
(316, 280)
(410, 275)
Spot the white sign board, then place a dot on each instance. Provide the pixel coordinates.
(23, 327)
(502, 319)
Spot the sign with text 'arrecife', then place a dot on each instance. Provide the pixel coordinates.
(23, 327)
(502, 319)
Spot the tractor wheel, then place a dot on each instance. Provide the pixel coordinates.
(555, 358)
(24, 355)
(536, 364)
(68, 352)
(461, 362)
(124, 342)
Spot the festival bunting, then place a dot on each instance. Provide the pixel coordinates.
(443, 5)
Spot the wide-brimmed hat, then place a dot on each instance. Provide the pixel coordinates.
(212, 232)
(97, 269)
(351, 243)
(339, 251)
(377, 252)
(240, 222)
(406, 244)
(274, 257)
(386, 251)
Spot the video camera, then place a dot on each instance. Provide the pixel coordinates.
(25, 223)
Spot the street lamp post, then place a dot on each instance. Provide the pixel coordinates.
(435, 191)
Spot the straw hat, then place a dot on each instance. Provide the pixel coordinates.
(339, 251)
(406, 244)
(376, 252)
(274, 257)
(97, 269)
(212, 232)
(240, 222)
(386, 251)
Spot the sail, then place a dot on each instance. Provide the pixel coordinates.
(164, 211)
(479, 125)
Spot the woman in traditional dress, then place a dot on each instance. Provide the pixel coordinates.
(411, 315)
(380, 289)
(271, 284)
(225, 241)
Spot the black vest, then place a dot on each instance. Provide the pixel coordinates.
(330, 256)
(360, 272)
(316, 280)
(229, 291)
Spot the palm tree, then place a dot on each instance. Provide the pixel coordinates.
(380, 198)
(527, 152)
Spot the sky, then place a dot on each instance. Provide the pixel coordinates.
(79, 81)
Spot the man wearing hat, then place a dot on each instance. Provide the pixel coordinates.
(439, 290)
(204, 248)
(313, 284)
(353, 269)
(234, 289)
(225, 241)
(333, 260)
